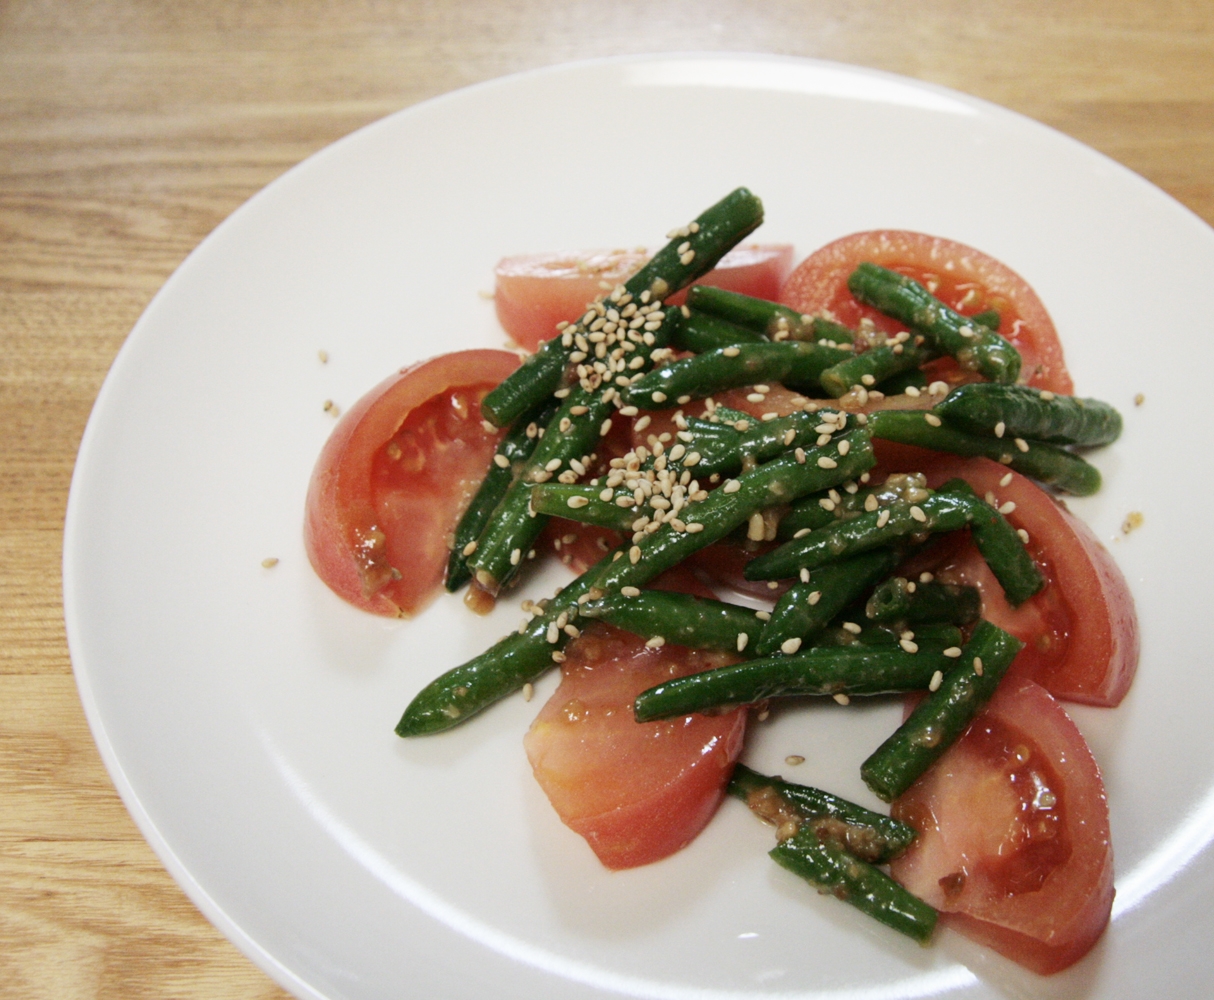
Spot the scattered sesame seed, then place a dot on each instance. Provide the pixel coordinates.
(605, 428)
(926, 577)
(917, 513)
(469, 548)
(801, 532)
(1006, 480)
(800, 456)
(501, 461)
(763, 715)
(1024, 535)
(324, 357)
(634, 554)
(743, 639)
(852, 627)
(694, 527)
(657, 642)
(331, 408)
(1022, 444)
(844, 446)
(630, 591)
(827, 463)
(793, 759)
(1047, 395)
(763, 616)
(867, 380)
(578, 501)
(641, 424)
(1000, 428)
(516, 557)
(912, 391)
(932, 419)
(528, 691)
(842, 699)
(1139, 399)
(790, 646)
(804, 575)
(755, 397)
(1133, 520)
(558, 656)
(731, 352)
(936, 681)
(659, 397)
(814, 598)
(1008, 507)
(938, 388)
(883, 518)
(731, 486)
(978, 665)
(953, 652)
(909, 645)
(269, 563)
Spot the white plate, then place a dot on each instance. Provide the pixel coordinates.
(246, 714)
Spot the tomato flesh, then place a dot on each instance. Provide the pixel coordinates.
(394, 477)
(965, 279)
(533, 293)
(1013, 841)
(637, 792)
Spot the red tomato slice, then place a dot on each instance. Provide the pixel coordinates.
(394, 477)
(535, 292)
(1080, 630)
(1013, 828)
(636, 791)
(964, 278)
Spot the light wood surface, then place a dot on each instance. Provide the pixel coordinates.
(128, 130)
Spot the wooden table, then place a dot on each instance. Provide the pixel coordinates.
(129, 130)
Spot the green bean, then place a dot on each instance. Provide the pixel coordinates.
(582, 503)
(820, 509)
(901, 600)
(796, 364)
(866, 834)
(975, 346)
(702, 332)
(872, 366)
(514, 450)
(816, 856)
(939, 512)
(808, 606)
(676, 265)
(820, 670)
(943, 715)
(769, 318)
(895, 385)
(942, 636)
(682, 619)
(1043, 462)
(990, 318)
(1025, 412)
(1001, 547)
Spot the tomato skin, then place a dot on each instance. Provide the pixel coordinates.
(1028, 876)
(533, 293)
(366, 512)
(968, 280)
(1080, 630)
(637, 792)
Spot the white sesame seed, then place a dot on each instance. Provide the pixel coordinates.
(528, 691)
(978, 665)
(867, 380)
(827, 463)
(852, 627)
(692, 459)
(917, 513)
(953, 652)
(1008, 507)
(1000, 428)
(844, 446)
(912, 391)
(909, 645)
(605, 428)
(634, 554)
(936, 681)
(1022, 444)
(790, 646)
(694, 527)
(577, 501)
(516, 557)
(501, 461)
(755, 397)
(814, 598)
(800, 456)
(883, 518)
(686, 258)
(641, 424)
(731, 486)
(743, 639)
(269, 563)
(659, 397)
(790, 436)
(731, 352)
(841, 698)
(1047, 395)
(657, 642)
(1024, 535)
(793, 759)
(804, 575)
(469, 548)
(932, 419)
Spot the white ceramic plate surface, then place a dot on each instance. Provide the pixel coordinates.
(246, 714)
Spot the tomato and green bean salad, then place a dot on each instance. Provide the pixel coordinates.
(840, 482)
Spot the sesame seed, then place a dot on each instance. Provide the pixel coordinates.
(558, 656)
(763, 616)
(883, 518)
(932, 419)
(501, 461)
(772, 585)
(912, 391)
(657, 642)
(1024, 535)
(1022, 445)
(800, 456)
(577, 411)
(842, 699)
(917, 513)
(1047, 395)
(790, 436)
(804, 574)
(641, 424)
(867, 380)
(1000, 428)
(1008, 507)
(605, 428)
(577, 501)
(790, 646)
(936, 681)
(755, 397)
(844, 446)
(659, 397)
(814, 598)
(909, 645)
(634, 554)
(686, 258)
(694, 527)
(1139, 399)
(692, 459)
(978, 665)
(827, 463)
(528, 691)
(489, 428)
(743, 639)
(801, 532)
(731, 352)
(793, 759)
(763, 715)
(571, 631)
(332, 408)
(731, 486)
(516, 557)
(953, 652)
(852, 627)
(870, 503)
(469, 548)
(269, 563)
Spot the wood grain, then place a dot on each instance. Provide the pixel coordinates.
(129, 130)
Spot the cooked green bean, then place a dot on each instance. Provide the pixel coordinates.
(1021, 411)
(769, 318)
(700, 332)
(943, 715)
(877, 364)
(1000, 546)
(1043, 462)
(918, 603)
(682, 619)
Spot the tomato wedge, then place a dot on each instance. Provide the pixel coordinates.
(1013, 828)
(394, 477)
(964, 278)
(637, 792)
(535, 292)
(1080, 631)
